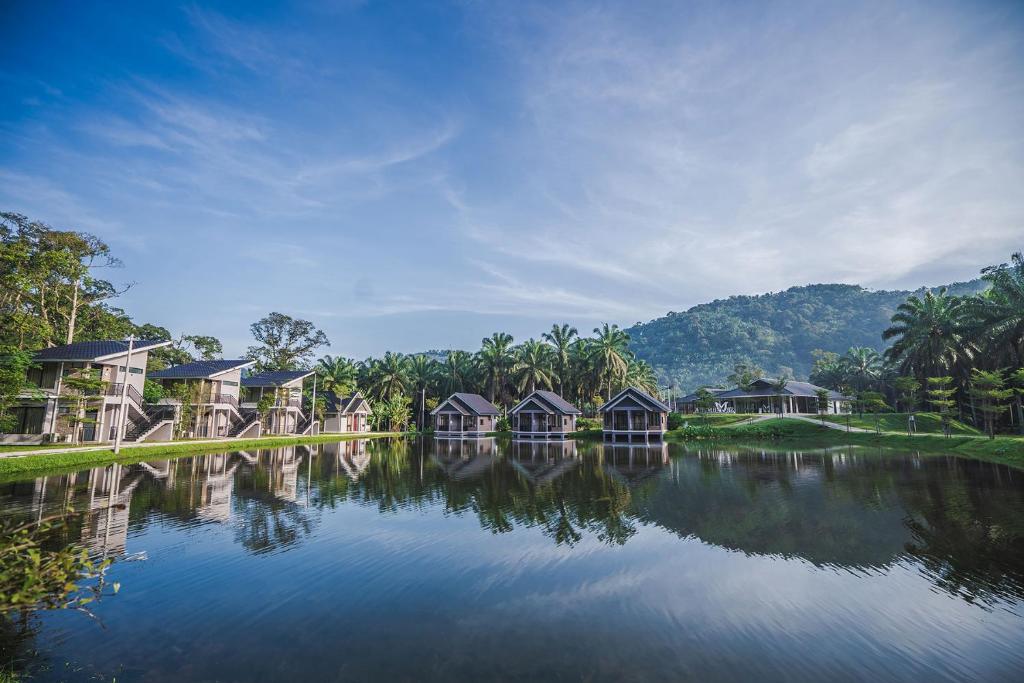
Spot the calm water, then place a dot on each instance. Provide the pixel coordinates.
(423, 560)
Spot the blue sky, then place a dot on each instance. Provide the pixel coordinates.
(418, 175)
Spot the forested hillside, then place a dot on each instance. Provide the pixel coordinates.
(776, 331)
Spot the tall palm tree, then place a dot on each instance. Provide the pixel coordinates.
(641, 375)
(389, 376)
(862, 366)
(458, 371)
(337, 374)
(929, 335)
(561, 338)
(533, 366)
(496, 358)
(997, 315)
(611, 355)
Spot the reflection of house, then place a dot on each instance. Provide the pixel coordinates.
(346, 413)
(464, 416)
(634, 462)
(284, 415)
(634, 415)
(211, 390)
(540, 462)
(50, 412)
(464, 459)
(216, 486)
(350, 456)
(763, 396)
(543, 415)
(284, 473)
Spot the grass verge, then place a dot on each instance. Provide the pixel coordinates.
(70, 460)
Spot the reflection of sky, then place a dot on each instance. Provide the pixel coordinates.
(429, 594)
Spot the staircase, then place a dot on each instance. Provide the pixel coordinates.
(305, 427)
(154, 417)
(249, 418)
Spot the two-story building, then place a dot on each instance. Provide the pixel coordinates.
(58, 407)
(284, 387)
(208, 392)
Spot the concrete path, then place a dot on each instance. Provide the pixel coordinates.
(829, 425)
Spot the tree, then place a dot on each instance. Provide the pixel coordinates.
(640, 374)
(744, 374)
(533, 366)
(907, 389)
(822, 397)
(779, 387)
(389, 376)
(988, 387)
(84, 386)
(496, 359)
(941, 393)
(997, 315)
(928, 334)
(14, 366)
(337, 374)
(561, 338)
(1017, 380)
(828, 370)
(284, 343)
(862, 366)
(458, 371)
(611, 355)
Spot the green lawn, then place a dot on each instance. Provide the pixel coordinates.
(717, 419)
(12, 448)
(927, 423)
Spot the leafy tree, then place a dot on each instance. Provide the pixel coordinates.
(84, 387)
(907, 389)
(337, 374)
(941, 393)
(284, 343)
(14, 366)
(862, 367)
(744, 374)
(152, 391)
(988, 387)
(828, 370)
(822, 397)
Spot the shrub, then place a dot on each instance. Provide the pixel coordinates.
(503, 425)
(675, 420)
(587, 423)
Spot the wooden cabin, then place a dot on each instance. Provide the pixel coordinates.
(462, 416)
(543, 415)
(345, 414)
(634, 415)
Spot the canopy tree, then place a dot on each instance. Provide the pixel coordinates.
(284, 342)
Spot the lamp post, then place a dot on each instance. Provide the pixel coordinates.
(124, 396)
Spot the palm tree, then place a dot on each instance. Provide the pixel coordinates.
(997, 315)
(862, 366)
(611, 355)
(561, 338)
(533, 366)
(458, 371)
(496, 358)
(337, 374)
(389, 376)
(641, 375)
(930, 335)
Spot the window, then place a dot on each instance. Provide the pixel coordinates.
(229, 384)
(28, 420)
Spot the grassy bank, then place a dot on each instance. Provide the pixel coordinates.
(1008, 450)
(926, 423)
(71, 460)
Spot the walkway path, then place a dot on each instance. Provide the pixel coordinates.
(805, 418)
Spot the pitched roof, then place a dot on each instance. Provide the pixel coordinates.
(473, 403)
(765, 387)
(96, 350)
(551, 400)
(200, 369)
(641, 397)
(275, 379)
(344, 404)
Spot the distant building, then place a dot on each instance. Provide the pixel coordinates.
(344, 414)
(762, 397)
(634, 415)
(464, 416)
(543, 415)
(48, 411)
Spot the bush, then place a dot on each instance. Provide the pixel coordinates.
(152, 391)
(675, 420)
(587, 423)
(503, 425)
(697, 431)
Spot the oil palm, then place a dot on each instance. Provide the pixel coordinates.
(862, 367)
(337, 374)
(929, 334)
(611, 355)
(641, 375)
(533, 366)
(496, 359)
(561, 338)
(389, 376)
(997, 315)
(458, 371)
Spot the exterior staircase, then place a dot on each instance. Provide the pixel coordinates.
(249, 418)
(154, 417)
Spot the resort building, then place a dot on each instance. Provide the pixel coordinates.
(634, 415)
(281, 395)
(76, 392)
(543, 415)
(464, 416)
(346, 413)
(763, 397)
(205, 394)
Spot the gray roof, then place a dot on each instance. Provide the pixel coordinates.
(552, 400)
(200, 369)
(473, 403)
(640, 396)
(344, 404)
(691, 398)
(274, 379)
(764, 387)
(95, 350)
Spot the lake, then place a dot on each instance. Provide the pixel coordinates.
(488, 560)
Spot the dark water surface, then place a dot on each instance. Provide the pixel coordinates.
(423, 560)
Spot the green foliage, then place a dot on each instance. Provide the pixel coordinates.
(907, 390)
(675, 420)
(585, 424)
(503, 424)
(989, 389)
(14, 364)
(152, 391)
(391, 414)
(744, 374)
(337, 374)
(284, 342)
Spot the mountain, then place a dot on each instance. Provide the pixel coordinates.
(777, 331)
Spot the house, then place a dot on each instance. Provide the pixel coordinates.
(542, 462)
(543, 415)
(284, 388)
(345, 414)
(206, 394)
(464, 416)
(634, 415)
(763, 396)
(55, 409)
